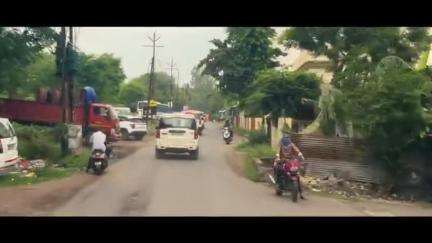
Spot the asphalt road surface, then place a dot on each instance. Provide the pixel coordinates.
(141, 185)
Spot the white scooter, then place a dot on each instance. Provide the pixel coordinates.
(227, 135)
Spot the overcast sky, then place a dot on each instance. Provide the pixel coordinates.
(186, 45)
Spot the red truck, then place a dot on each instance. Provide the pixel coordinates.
(97, 115)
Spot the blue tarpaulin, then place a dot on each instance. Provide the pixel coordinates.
(89, 95)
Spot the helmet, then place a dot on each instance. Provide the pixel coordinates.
(285, 141)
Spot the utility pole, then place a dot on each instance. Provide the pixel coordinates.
(61, 54)
(70, 74)
(64, 92)
(171, 67)
(153, 39)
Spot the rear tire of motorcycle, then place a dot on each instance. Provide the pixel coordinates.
(294, 192)
(278, 192)
(98, 171)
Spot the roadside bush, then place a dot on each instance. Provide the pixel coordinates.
(257, 137)
(37, 142)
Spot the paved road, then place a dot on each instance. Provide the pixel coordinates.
(141, 185)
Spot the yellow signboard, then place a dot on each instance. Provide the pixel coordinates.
(153, 103)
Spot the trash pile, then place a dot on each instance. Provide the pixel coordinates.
(27, 168)
(338, 186)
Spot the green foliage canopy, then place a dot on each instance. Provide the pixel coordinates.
(236, 60)
(282, 93)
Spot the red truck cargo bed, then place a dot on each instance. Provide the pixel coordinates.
(33, 111)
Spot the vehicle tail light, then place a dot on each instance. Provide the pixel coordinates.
(157, 133)
(195, 134)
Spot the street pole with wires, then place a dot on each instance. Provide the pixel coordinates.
(171, 67)
(153, 39)
(65, 69)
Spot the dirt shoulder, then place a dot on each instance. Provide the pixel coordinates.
(31, 199)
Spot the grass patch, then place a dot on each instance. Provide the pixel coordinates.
(250, 170)
(38, 142)
(255, 147)
(70, 164)
(256, 150)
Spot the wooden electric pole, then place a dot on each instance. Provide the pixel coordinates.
(153, 39)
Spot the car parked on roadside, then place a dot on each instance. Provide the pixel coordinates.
(131, 125)
(177, 133)
(8, 144)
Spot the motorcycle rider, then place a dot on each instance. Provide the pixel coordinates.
(288, 150)
(229, 126)
(98, 142)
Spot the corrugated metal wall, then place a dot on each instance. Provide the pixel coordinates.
(336, 155)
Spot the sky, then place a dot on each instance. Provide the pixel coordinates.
(185, 45)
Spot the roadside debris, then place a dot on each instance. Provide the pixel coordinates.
(24, 165)
(347, 189)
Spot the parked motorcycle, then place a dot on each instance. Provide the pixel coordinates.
(286, 176)
(98, 161)
(227, 135)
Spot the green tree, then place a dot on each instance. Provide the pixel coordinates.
(204, 93)
(137, 88)
(41, 74)
(355, 51)
(388, 111)
(282, 93)
(236, 60)
(104, 73)
(18, 48)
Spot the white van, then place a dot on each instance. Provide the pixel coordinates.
(8, 144)
(177, 133)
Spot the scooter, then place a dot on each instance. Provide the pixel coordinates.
(98, 161)
(286, 176)
(227, 135)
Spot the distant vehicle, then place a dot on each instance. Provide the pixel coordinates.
(177, 133)
(130, 124)
(8, 143)
(227, 135)
(199, 117)
(158, 111)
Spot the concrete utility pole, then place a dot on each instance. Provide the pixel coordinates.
(153, 39)
(171, 67)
